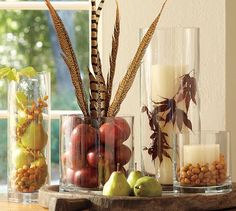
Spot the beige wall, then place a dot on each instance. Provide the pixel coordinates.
(231, 75)
(210, 16)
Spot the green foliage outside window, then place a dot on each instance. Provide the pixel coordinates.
(28, 39)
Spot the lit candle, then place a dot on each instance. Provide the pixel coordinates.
(202, 154)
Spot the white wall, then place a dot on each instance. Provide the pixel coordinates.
(210, 16)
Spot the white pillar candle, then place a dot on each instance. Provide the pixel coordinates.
(202, 154)
(165, 84)
(165, 81)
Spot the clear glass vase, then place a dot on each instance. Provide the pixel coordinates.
(90, 150)
(202, 162)
(169, 97)
(29, 137)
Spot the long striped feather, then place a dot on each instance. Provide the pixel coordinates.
(94, 32)
(113, 57)
(99, 9)
(129, 77)
(69, 58)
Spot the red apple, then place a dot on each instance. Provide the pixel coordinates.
(69, 123)
(115, 132)
(86, 178)
(83, 134)
(100, 155)
(83, 137)
(70, 175)
(110, 134)
(123, 154)
(124, 126)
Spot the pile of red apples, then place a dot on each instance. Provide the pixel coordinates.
(92, 154)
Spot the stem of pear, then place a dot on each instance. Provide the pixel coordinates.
(118, 167)
(135, 166)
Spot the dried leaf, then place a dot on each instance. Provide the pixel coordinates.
(193, 89)
(187, 122)
(129, 77)
(179, 118)
(187, 101)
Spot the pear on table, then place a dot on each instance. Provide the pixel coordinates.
(147, 187)
(133, 177)
(117, 185)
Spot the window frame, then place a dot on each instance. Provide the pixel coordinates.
(58, 5)
(37, 6)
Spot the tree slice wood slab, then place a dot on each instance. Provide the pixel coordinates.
(50, 197)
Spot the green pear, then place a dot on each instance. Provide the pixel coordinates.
(147, 186)
(34, 137)
(133, 177)
(22, 157)
(117, 185)
(40, 162)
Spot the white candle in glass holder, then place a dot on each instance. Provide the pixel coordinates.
(164, 81)
(165, 84)
(202, 154)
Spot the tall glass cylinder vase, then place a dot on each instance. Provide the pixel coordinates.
(29, 142)
(169, 97)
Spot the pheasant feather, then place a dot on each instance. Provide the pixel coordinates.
(113, 56)
(129, 77)
(69, 58)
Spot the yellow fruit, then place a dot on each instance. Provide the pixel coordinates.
(35, 137)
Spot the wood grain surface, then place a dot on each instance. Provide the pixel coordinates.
(50, 197)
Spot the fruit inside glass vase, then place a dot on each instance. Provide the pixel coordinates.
(29, 168)
(91, 150)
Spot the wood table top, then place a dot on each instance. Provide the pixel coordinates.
(10, 206)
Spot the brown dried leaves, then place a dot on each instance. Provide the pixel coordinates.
(167, 111)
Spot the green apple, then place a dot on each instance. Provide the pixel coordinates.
(35, 137)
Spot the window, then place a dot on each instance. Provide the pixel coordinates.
(27, 38)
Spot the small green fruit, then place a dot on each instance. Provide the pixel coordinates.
(147, 186)
(22, 157)
(116, 185)
(34, 137)
(132, 178)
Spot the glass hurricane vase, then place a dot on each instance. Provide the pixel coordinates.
(90, 150)
(28, 144)
(202, 162)
(169, 97)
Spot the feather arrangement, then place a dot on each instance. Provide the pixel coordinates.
(100, 91)
(70, 59)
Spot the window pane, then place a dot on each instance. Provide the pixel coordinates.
(54, 150)
(3, 95)
(28, 38)
(3, 153)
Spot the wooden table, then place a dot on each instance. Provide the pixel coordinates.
(7, 206)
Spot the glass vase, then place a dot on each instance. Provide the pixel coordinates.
(202, 162)
(169, 97)
(29, 141)
(90, 150)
